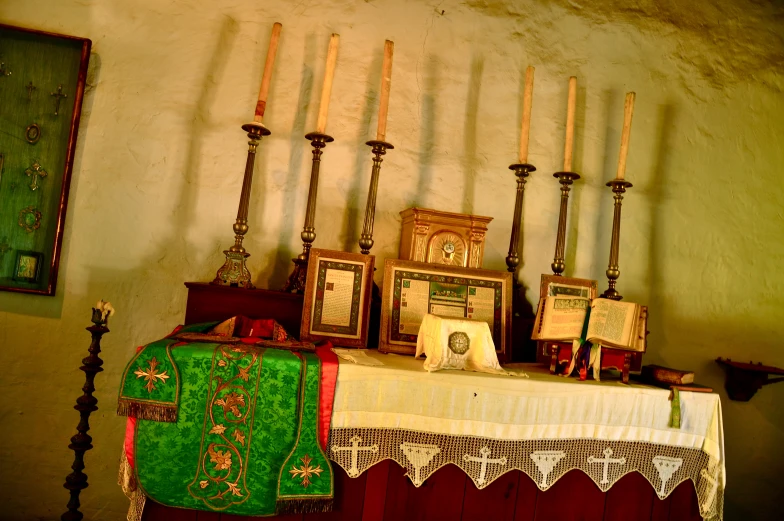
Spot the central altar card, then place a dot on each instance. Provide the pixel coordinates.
(414, 289)
(337, 298)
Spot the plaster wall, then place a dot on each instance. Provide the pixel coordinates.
(160, 158)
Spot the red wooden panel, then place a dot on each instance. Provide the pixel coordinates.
(232, 517)
(660, 510)
(156, 512)
(496, 501)
(349, 498)
(207, 303)
(527, 495)
(376, 492)
(207, 516)
(683, 503)
(630, 499)
(573, 497)
(439, 498)
(397, 493)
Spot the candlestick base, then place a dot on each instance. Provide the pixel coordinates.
(299, 277)
(566, 179)
(379, 148)
(619, 187)
(521, 170)
(234, 272)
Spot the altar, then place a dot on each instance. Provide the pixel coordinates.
(527, 445)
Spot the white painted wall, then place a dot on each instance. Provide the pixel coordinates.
(160, 159)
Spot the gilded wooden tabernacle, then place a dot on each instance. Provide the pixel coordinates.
(453, 239)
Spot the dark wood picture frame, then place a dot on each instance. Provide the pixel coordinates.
(500, 281)
(355, 334)
(36, 57)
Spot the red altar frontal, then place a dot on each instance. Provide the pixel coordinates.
(407, 444)
(384, 493)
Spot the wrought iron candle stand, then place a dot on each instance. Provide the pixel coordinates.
(81, 442)
(566, 179)
(522, 171)
(234, 272)
(366, 238)
(619, 187)
(298, 277)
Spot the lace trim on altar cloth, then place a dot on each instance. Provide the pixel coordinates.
(544, 461)
(127, 481)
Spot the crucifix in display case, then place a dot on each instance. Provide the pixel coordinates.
(57, 96)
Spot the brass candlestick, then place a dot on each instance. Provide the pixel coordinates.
(298, 277)
(566, 179)
(234, 272)
(618, 186)
(366, 239)
(521, 170)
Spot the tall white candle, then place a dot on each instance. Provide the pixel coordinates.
(628, 110)
(386, 81)
(570, 108)
(261, 104)
(528, 95)
(326, 89)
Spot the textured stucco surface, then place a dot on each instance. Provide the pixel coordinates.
(158, 172)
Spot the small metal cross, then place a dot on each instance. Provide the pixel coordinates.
(30, 88)
(58, 96)
(4, 248)
(34, 172)
(3, 70)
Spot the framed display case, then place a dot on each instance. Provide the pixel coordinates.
(42, 81)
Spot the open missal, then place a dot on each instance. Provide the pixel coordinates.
(610, 323)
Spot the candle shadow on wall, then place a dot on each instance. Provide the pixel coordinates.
(427, 131)
(151, 296)
(657, 179)
(363, 163)
(297, 151)
(612, 140)
(200, 129)
(575, 196)
(470, 162)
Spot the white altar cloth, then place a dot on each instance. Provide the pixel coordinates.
(544, 425)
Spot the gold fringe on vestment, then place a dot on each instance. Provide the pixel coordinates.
(147, 411)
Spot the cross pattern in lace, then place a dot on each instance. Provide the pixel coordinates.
(713, 487)
(606, 461)
(484, 459)
(355, 449)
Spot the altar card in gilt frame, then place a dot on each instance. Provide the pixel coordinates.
(414, 289)
(337, 298)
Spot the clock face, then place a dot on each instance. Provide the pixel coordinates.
(447, 248)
